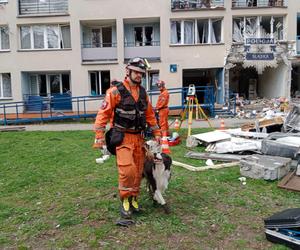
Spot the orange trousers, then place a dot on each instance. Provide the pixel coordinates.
(130, 157)
(163, 120)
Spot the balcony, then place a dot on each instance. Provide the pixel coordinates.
(104, 52)
(149, 50)
(178, 5)
(258, 3)
(46, 7)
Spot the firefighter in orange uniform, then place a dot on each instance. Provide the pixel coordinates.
(162, 107)
(128, 108)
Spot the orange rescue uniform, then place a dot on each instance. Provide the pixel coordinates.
(130, 154)
(163, 110)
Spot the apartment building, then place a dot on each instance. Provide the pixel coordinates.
(62, 48)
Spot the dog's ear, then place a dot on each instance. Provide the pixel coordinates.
(167, 161)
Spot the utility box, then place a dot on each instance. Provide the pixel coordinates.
(264, 167)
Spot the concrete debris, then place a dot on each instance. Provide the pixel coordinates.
(271, 153)
(213, 156)
(213, 136)
(265, 167)
(192, 142)
(235, 145)
(292, 121)
(239, 133)
(279, 148)
(261, 108)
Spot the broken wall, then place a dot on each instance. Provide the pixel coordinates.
(273, 82)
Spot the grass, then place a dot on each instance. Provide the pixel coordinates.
(54, 196)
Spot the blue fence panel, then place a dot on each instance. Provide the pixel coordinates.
(48, 108)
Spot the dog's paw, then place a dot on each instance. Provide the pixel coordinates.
(166, 208)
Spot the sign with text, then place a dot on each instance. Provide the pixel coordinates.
(260, 56)
(260, 41)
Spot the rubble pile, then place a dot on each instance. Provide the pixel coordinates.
(261, 154)
(261, 108)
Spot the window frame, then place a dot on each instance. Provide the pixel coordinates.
(195, 30)
(60, 41)
(98, 84)
(1, 27)
(100, 28)
(2, 97)
(258, 20)
(48, 83)
(143, 35)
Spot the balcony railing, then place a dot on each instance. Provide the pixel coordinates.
(196, 4)
(258, 3)
(101, 52)
(37, 7)
(138, 44)
(149, 50)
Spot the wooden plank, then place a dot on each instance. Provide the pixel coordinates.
(198, 169)
(263, 123)
(10, 129)
(291, 182)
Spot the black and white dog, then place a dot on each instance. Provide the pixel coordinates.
(157, 171)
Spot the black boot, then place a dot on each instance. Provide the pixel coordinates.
(134, 205)
(125, 209)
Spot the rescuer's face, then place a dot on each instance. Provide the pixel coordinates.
(136, 77)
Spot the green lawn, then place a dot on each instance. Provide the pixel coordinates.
(54, 196)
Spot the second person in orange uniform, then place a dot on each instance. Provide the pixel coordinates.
(162, 107)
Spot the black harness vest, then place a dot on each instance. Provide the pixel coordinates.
(130, 114)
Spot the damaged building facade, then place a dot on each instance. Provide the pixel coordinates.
(52, 48)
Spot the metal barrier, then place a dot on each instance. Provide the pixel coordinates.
(44, 109)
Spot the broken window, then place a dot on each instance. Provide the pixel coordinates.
(143, 35)
(107, 36)
(238, 29)
(251, 27)
(138, 35)
(96, 39)
(101, 37)
(148, 35)
(202, 26)
(199, 31)
(216, 30)
(175, 32)
(278, 28)
(4, 38)
(45, 37)
(259, 27)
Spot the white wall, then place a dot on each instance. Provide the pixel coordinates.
(272, 83)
